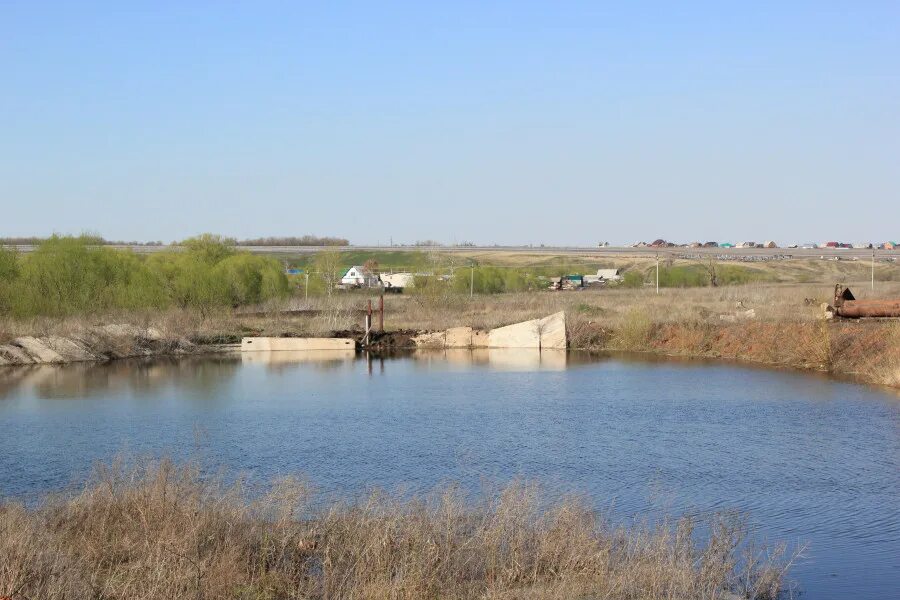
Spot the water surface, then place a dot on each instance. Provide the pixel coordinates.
(809, 459)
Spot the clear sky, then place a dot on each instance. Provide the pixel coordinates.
(490, 122)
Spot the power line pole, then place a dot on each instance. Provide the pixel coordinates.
(472, 282)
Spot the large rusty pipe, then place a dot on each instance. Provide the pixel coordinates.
(868, 308)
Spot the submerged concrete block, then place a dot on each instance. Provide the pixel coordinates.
(437, 339)
(458, 337)
(553, 331)
(518, 335)
(39, 351)
(273, 344)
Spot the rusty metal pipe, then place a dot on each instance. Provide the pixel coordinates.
(856, 309)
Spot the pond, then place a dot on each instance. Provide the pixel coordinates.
(810, 460)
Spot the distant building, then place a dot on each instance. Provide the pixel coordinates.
(357, 276)
(747, 245)
(770, 244)
(889, 245)
(397, 282)
(609, 274)
(726, 245)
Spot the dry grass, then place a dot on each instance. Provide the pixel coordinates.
(164, 532)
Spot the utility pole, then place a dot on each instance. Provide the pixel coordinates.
(657, 272)
(306, 287)
(472, 282)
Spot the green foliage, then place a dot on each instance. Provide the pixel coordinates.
(209, 248)
(632, 279)
(700, 275)
(493, 280)
(73, 275)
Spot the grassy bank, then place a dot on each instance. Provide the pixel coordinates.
(164, 532)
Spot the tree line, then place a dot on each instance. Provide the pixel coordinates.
(68, 275)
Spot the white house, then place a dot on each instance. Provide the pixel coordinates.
(358, 276)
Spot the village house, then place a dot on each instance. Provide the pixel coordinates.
(358, 276)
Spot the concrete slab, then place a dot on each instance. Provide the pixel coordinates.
(518, 335)
(437, 339)
(39, 351)
(15, 355)
(299, 356)
(480, 338)
(553, 331)
(69, 349)
(458, 337)
(273, 344)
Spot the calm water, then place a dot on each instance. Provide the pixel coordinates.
(811, 460)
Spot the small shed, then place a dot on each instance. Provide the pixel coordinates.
(397, 282)
(609, 274)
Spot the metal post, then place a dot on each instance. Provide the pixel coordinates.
(381, 313)
(472, 282)
(306, 287)
(657, 272)
(873, 269)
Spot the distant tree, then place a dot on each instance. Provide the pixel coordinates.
(328, 264)
(306, 240)
(210, 248)
(710, 267)
(371, 266)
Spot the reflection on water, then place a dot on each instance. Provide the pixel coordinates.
(808, 458)
(499, 359)
(319, 358)
(141, 377)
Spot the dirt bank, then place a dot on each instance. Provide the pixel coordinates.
(868, 351)
(99, 343)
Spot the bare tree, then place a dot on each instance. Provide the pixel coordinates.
(328, 264)
(710, 267)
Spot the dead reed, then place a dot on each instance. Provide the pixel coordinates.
(163, 531)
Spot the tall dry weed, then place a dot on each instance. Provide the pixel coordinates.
(633, 333)
(163, 531)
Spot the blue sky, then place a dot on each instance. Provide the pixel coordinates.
(509, 123)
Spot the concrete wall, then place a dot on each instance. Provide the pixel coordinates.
(270, 344)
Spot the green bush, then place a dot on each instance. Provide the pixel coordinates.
(493, 280)
(632, 279)
(73, 275)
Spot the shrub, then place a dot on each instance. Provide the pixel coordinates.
(632, 279)
(73, 275)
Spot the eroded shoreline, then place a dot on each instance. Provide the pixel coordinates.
(866, 352)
